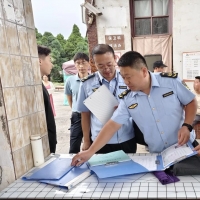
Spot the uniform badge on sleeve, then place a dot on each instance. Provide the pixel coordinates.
(133, 106)
(183, 82)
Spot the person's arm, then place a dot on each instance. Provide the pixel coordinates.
(85, 123)
(190, 112)
(187, 99)
(69, 99)
(68, 92)
(197, 148)
(103, 137)
(85, 116)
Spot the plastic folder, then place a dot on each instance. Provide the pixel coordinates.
(72, 178)
(102, 159)
(53, 171)
(118, 169)
(113, 164)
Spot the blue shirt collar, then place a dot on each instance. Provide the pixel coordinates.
(102, 78)
(77, 77)
(154, 83)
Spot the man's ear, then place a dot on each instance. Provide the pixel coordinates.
(115, 57)
(40, 61)
(145, 71)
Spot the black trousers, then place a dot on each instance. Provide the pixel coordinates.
(129, 146)
(76, 133)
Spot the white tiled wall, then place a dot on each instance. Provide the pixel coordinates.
(22, 107)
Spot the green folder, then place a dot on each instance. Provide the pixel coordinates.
(108, 158)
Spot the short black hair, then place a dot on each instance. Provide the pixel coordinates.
(131, 59)
(102, 49)
(43, 50)
(159, 64)
(81, 56)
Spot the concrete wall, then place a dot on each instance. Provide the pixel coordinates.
(114, 21)
(21, 99)
(186, 30)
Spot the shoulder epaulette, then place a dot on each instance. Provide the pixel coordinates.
(123, 94)
(183, 82)
(169, 75)
(87, 77)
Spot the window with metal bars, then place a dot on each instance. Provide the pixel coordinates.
(151, 17)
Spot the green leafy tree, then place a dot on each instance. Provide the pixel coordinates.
(75, 43)
(38, 35)
(61, 39)
(62, 50)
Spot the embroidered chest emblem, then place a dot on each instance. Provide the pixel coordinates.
(133, 106)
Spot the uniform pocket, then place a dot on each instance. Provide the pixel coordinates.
(170, 102)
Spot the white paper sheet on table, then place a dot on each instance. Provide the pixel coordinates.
(101, 103)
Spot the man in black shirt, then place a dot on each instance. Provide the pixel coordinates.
(45, 69)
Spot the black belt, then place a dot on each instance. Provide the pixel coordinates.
(76, 114)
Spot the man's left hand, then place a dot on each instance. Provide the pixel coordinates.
(183, 135)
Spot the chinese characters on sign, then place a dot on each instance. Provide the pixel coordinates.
(191, 63)
(115, 41)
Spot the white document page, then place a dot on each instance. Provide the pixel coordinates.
(175, 153)
(147, 161)
(101, 103)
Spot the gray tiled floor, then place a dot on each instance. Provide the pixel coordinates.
(133, 186)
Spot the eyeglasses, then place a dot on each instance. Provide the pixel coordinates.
(109, 66)
(80, 63)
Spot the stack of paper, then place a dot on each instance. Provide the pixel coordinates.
(102, 104)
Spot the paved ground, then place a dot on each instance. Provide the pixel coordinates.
(63, 114)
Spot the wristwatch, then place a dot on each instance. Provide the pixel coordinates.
(188, 126)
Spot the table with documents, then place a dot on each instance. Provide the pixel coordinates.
(138, 186)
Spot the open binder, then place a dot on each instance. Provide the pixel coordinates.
(111, 166)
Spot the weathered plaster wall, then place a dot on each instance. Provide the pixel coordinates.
(186, 30)
(114, 21)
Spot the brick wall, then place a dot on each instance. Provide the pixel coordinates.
(92, 36)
